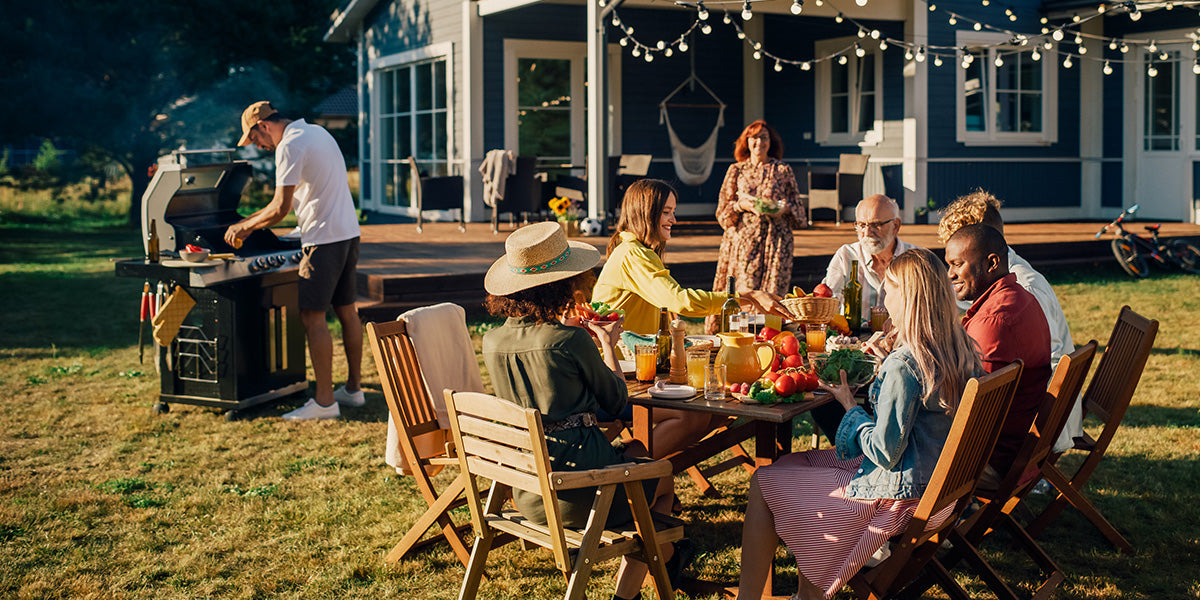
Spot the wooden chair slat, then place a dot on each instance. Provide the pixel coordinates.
(493, 424)
(569, 480)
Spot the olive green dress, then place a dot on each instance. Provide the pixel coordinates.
(558, 370)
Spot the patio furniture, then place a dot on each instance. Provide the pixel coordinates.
(415, 422)
(976, 427)
(506, 443)
(1107, 397)
(1024, 474)
(435, 193)
(840, 189)
(522, 193)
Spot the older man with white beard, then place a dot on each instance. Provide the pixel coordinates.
(877, 222)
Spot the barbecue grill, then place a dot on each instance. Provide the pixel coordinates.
(242, 344)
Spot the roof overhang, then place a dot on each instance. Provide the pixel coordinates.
(346, 21)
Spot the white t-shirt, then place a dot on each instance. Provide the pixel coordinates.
(309, 158)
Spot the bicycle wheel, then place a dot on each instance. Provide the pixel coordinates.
(1184, 255)
(1129, 258)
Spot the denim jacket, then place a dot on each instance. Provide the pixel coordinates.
(901, 444)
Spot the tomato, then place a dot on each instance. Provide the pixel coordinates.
(771, 375)
(193, 248)
(786, 386)
(789, 346)
(766, 333)
(812, 382)
(793, 361)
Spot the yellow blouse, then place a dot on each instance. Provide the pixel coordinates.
(635, 279)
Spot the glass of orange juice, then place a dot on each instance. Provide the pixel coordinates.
(697, 359)
(814, 335)
(645, 361)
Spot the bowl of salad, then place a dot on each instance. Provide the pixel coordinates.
(598, 312)
(860, 367)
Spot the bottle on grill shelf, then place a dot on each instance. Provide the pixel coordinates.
(152, 242)
(731, 306)
(662, 339)
(852, 299)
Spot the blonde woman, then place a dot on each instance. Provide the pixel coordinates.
(834, 508)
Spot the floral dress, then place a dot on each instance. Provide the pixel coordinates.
(757, 249)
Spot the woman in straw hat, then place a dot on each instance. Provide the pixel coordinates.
(536, 361)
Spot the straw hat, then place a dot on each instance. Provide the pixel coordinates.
(537, 254)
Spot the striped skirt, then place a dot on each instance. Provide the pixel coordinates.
(830, 535)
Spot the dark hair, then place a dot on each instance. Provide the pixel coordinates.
(741, 150)
(546, 302)
(985, 240)
(641, 210)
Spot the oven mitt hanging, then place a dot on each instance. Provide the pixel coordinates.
(170, 316)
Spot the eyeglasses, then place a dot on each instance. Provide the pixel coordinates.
(872, 224)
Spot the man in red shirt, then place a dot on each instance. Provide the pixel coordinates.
(1007, 323)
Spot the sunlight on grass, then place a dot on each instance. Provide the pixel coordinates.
(103, 498)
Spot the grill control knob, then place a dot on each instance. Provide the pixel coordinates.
(257, 265)
(277, 261)
(296, 256)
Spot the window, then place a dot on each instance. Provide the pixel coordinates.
(849, 100)
(411, 118)
(1161, 127)
(544, 104)
(1010, 103)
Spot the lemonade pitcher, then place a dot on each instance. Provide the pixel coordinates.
(744, 359)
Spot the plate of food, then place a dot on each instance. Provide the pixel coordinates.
(627, 366)
(598, 312)
(860, 367)
(672, 391)
(693, 340)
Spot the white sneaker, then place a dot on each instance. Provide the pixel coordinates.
(311, 411)
(349, 398)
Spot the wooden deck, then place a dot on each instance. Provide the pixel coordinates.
(399, 268)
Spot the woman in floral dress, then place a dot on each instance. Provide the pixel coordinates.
(756, 248)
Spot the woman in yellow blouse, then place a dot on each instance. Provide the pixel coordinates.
(635, 279)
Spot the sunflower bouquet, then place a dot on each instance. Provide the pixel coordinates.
(565, 209)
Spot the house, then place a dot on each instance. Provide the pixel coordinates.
(1065, 109)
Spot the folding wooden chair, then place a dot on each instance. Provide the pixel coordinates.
(413, 415)
(1024, 474)
(976, 427)
(1107, 397)
(505, 443)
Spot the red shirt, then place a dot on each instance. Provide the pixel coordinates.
(1008, 323)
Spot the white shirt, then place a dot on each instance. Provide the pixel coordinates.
(1061, 343)
(309, 158)
(838, 274)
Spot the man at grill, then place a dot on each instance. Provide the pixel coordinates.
(310, 175)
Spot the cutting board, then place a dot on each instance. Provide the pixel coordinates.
(178, 263)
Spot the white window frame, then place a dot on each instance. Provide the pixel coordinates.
(990, 137)
(576, 52)
(443, 51)
(824, 94)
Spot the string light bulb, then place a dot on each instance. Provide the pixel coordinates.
(1067, 62)
(683, 45)
(1196, 67)
(602, 3)
(1153, 47)
(1152, 71)
(1100, 9)
(986, 2)
(661, 44)
(1124, 49)
(1107, 68)
(726, 19)
(649, 56)
(804, 66)
(636, 52)
(999, 62)
(1112, 45)
(937, 60)
(1048, 45)
(757, 55)
(952, 20)
(797, 8)
(1012, 18)
(966, 65)
(1164, 56)
(859, 51)
(908, 54)
(778, 66)
(874, 34)
(1078, 40)
(668, 52)
(839, 18)
(1044, 20)
(1075, 18)
(1081, 49)
(977, 26)
(920, 54)
(819, 3)
(883, 44)
(861, 2)
(705, 28)
(1196, 46)
(862, 33)
(702, 12)
(1170, 6)
(1057, 35)
(616, 21)
(747, 14)
(623, 41)
(967, 56)
(1135, 14)
(842, 59)
(932, 7)
(741, 35)
(1036, 56)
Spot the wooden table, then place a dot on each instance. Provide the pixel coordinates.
(769, 424)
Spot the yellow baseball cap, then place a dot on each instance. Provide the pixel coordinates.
(251, 116)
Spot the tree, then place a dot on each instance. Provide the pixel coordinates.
(134, 80)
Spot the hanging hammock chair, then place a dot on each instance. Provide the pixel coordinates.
(692, 165)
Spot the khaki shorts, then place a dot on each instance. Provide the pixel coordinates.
(327, 275)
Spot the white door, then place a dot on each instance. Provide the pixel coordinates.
(1166, 133)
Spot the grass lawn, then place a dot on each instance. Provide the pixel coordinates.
(101, 498)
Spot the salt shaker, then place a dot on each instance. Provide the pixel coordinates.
(678, 373)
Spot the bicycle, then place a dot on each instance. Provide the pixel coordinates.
(1133, 251)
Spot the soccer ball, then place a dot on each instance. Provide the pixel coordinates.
(591, 227)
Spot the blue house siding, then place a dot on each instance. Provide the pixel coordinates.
(1032, 184)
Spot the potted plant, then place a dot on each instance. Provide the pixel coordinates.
(921, 213)
(568, 214)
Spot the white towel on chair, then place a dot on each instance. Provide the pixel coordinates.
(447, 359)
(497, 166)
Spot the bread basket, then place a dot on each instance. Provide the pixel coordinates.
(812, 309)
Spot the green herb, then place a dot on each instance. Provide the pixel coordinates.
(857, 366)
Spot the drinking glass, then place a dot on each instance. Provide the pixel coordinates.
(714, 382)
(879, 316)
(697, 359)
(815, 336)
(645, 361)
